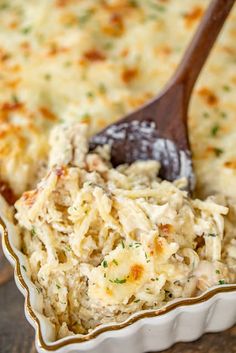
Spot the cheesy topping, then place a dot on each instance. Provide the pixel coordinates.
(95, 60)
(103, 243)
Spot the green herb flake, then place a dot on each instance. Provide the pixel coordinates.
(67, 63)
(4, 6)
(85, 117)
(108, 46)
(84, 18)
(115, 262)
(215, 129)
(33, 232)
(221, 281)
(104, 264)
(118, 281)
(206, 115)
(218, 151)
(122, 244)
(147, 259)
(58, 287)
(213, 235)
(157, 7)
(223, 115)
(102, 88)
(90, 94)
(226, 88)
(133, 3)
(15, 99)
(24, 268)
(39, 290)
(137, 301)
(26, 30)
(47, 77)
(218, 272)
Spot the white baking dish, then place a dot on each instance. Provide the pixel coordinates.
(181, 320)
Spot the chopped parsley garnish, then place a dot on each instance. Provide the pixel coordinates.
(118, 281)
(4, 6)
(215, 129)
(218, 272)
(115, 262)
(83, 19)
(147, 259)
(15, 99)
(33, 232)
(24, 268)
(206, 115)
(85, 116)
(105, 275)
(122, 244)
(108, 45)
(104, 264)
(133, 3)
(226, 88)
(218, 151)
(223, 115)
(47, 77)
(212, 235)
(26, 30)
(58, 287)
(137, 301)
(90, 94)
(39, 290)
(221, 281)
(67, 63)
(102, 88)
(158, 7)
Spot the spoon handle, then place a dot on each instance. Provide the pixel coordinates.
(201, 44)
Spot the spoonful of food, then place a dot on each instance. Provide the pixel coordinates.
(158, 130)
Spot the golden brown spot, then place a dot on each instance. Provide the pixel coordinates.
(7, 108)
(208, 96)
(4, 56)
(129, 75)
(30, 197)
(13, 24)
(230, 164)
(115, 26)
(159, 246)
(55, 50)
(48, 114)
(136, 272)
(94, 55)
(191, 17)
(166, 228)
(165, 50)
(124, 52)
(13, 84)
(109, 292)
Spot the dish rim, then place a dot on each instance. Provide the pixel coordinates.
(112, 327)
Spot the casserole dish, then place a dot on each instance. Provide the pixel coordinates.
(150, 330)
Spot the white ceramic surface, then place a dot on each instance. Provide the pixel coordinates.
(182, 320)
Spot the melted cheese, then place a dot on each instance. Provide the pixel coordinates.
(94, 61)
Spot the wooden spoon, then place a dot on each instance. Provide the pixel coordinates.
(158, 130)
